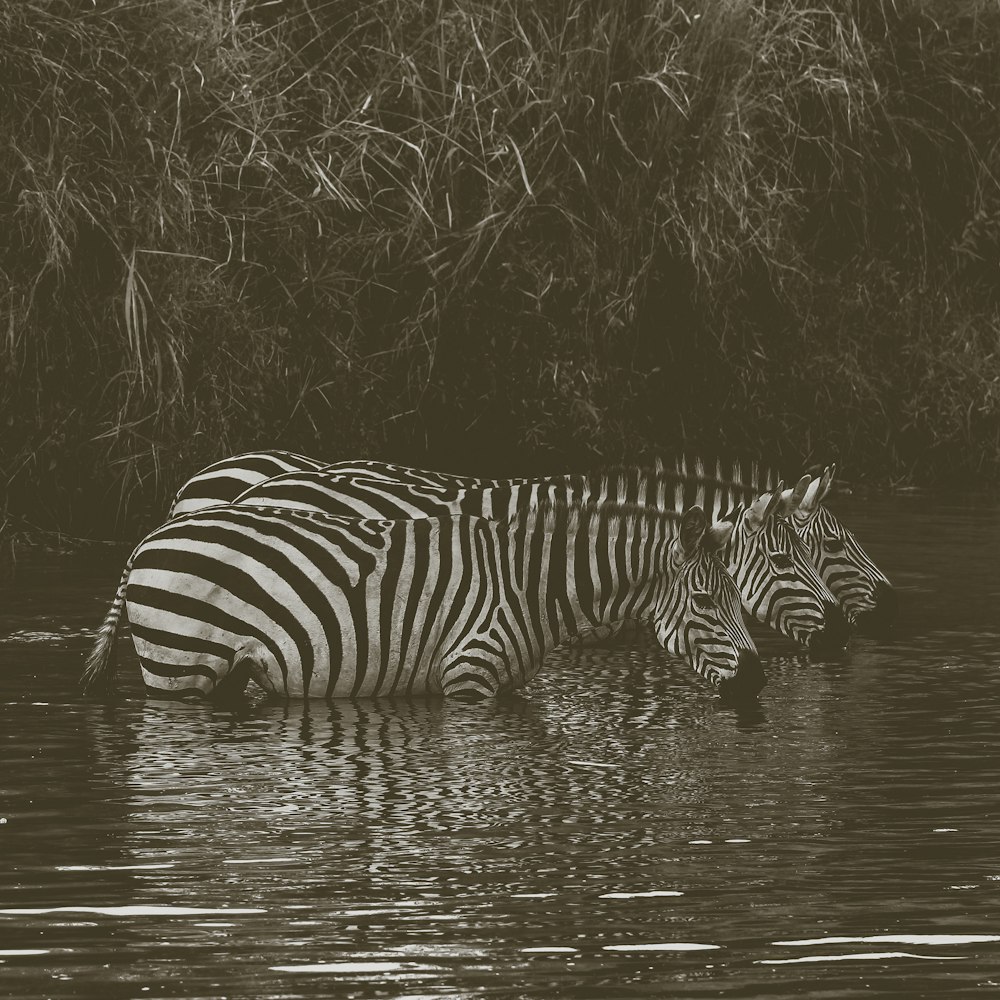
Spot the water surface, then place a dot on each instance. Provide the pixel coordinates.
(615, 832)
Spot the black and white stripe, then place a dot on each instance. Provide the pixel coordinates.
(771, 567)
(859, 586)
(864, 591)
(310, 605)
(222, 481)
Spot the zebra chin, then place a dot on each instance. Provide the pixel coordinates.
(745, 682)
(834, 634)
(879, 619)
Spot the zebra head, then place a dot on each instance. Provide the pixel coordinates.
(774, 572)
(699, 615)
(863, 590)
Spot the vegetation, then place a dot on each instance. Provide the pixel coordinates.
(503, 237)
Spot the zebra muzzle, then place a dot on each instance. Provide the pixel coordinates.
(834, 634)
(748, 680)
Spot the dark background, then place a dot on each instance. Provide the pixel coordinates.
(495, 238)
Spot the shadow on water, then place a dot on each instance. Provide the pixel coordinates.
(616, 831)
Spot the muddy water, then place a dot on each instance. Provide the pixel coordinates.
(614, 833)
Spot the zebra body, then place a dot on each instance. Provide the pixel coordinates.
(311, 605)
(778, 584)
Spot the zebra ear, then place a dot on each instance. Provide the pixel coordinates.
(791, 499)
(811, 499)
(827, 480)
(693, 525)
(762, 508)
(817, 490)
(718, 535)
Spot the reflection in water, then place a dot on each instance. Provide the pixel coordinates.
(616, 832)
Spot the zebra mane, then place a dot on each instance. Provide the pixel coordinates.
(723, 489)
(728, 473)
(743, 475)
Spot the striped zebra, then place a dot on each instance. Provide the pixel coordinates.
(313, 605)
(862, 588)
(863, 591)
(778, 583)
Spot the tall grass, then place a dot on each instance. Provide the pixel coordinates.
(494, 236)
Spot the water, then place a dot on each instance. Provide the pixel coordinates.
(614, 833)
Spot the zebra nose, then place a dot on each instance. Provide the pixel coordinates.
(882, 617)
(748, 679)
(834, 633)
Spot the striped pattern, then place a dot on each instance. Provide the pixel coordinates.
(223, 481)
(778, 582)
(772, 569)
(319, 606)
(862, 588)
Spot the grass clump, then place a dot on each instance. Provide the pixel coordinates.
(491, 236)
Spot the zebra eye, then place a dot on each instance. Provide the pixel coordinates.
(833, 545)
(781, 560)
(702, 600)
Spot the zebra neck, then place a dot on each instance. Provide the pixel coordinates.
(576, 568)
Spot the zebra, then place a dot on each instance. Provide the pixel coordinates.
(862, 588)
(314, 605)
(863, 591)
(778, 583)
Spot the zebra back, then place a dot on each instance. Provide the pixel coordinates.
(354, 491)
(222, 481)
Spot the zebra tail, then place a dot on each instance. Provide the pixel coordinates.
(101, 667)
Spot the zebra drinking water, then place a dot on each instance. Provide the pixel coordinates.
(312, 605)
(861, 587)
(778, 584)
(863, 591)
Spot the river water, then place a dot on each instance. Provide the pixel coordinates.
(614, 833)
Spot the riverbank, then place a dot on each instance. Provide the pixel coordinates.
(495, 238)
